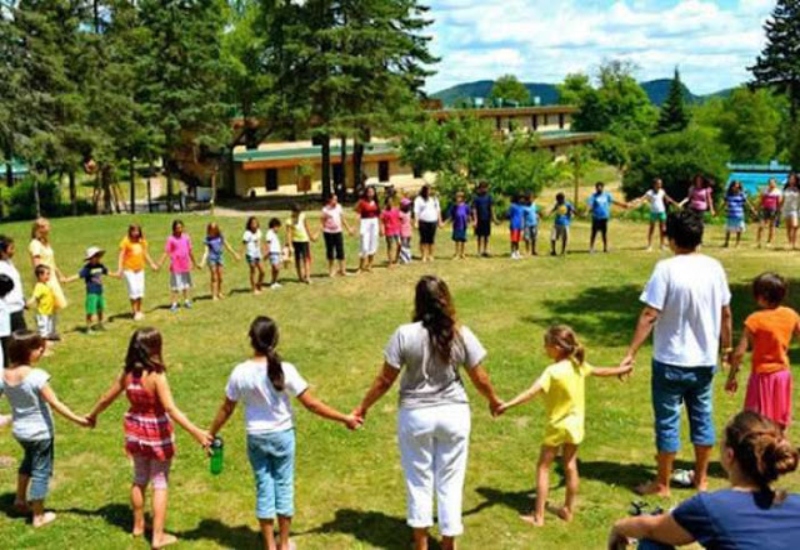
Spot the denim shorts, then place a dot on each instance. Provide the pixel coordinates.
(272, 459)
(673, 386)
(38, 465)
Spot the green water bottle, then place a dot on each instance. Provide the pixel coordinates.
(217, 451)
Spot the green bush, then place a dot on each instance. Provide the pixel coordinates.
(20, 201)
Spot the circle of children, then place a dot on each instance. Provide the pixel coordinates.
(148, 423)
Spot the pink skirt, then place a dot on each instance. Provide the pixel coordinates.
(771, 395)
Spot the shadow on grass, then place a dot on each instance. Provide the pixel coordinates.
(226, 536)
(372, 528)
(117, 515)
(7, 506)
(518, 501)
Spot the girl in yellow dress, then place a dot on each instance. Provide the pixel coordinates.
(42, 254)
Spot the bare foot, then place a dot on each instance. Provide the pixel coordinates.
(257, 291)
(165, 540)
(44, 519)
(532, 520)
(562, 512)
(652, 488)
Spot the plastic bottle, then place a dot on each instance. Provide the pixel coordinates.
(217, 452)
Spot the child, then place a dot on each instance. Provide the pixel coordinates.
(735, 203)
(275, 251)
(30, 395)
(564, 212)
(92, 273)
(460, 216)
(406, 230)
(658, 200)
(769, 204)
(15, 300)
(181, 261)
(483, 217)
(132, 256)
(298, 233)
(253, 253)
(332, 223)
(530, 231)
(563, 386)
(768, 333)
(215, 247)
(149, 439)
(265, 384)
(44, 300)
(390, 227)
(516, 222)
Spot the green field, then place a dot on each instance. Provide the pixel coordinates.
(350, 491)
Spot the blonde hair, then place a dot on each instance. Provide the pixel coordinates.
(565, 339)
(36, 228)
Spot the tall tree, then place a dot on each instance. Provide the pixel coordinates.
(749, 123)
(508, 87)
(574, 88)
(778, 66)
(674, 117)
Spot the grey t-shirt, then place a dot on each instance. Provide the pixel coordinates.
(32, 420)
(426, 380)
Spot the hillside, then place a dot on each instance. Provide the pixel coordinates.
(657, 91)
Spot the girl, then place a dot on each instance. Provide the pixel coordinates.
(562, 384)
(700, 197)
(769, 203)
(275, 251)
(460, 216)
(429, 218)
(768, 333)
(735, 203)
(149, 437)
(265, 384)
(658, 200)
(133, 254)
(215, 245)
(298, 233)
(251, 240)
(181, 257)
(790, 208)
(42, 254)
(30, 395)
(390, 227)
(368, 213)
(406, 230)
(332, 222)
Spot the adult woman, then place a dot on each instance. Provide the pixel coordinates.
(42, 254)
(429, 217)
(368, 212)
(790, 208)
(748, 516)
(700, 196)
(434, 417)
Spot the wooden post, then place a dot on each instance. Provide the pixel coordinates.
(133, 185)
(73, 193)
(214, 189)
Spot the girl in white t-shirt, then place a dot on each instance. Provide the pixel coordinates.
(658, 200)
(265, 383)
(253, 253)
(790, 208)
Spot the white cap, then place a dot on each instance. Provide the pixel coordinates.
(93, 251)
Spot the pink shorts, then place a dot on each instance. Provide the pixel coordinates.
(146, 470)
(771, 395)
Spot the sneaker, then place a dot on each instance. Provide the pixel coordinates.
(187, 304)
(174, 307)
(138, 316)
(275, 286)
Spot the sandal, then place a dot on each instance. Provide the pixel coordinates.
(683, 478)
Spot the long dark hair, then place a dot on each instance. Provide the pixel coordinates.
(433, 306)
(21, 346)
(264, 338)
(144, 351)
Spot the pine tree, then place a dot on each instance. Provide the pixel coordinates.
(778, 66)
(674, 117)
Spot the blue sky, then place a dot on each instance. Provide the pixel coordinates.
(712, 42)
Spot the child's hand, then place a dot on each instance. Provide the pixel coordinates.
(497, 409)
(155, 267)
(626, 372)
(91, 421)
(85, 422)
(203, 438)
(353, 422)
(732, 385)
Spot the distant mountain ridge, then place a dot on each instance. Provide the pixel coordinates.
(657, 90)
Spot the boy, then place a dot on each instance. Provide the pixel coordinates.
(564, 212)
(483, 216)
(460, 216)
(44, 300)
(92, 273)
(274, 250)
(531, 230)
(516, 223)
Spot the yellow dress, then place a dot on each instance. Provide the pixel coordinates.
(46, 257)
(563, 384)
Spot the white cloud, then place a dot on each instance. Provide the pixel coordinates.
(542, 40)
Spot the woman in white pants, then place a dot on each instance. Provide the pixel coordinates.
(368, 212)
(434, 419)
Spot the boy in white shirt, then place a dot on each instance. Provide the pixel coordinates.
(275, 251)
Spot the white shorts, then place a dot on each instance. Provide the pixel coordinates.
(135, 282)
(180, 281)
(791, 217)
(46, 324)
(369, 237)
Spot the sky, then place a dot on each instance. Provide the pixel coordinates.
(711, 42)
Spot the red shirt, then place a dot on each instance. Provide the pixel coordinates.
(368, 209)
(391, 222)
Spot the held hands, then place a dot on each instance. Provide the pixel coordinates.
(204, 438)
(498, 408)
(91, 421)
(353, 422)
(732, 385)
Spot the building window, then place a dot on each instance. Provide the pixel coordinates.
(561, 121)
(271, 179)
(383, 171)
(417, 172)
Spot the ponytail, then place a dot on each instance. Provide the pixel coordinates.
(264, 340)
(564, 338)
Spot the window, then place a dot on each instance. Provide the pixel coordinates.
(561, 121)
(383, 171)
(271, 176)
(417, 172)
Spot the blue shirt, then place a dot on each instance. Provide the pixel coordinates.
(531, 215)
(516, 217)
(483, 207)
(459, 213)
(564, 214)
(738, 520)
(93, 276)
(735, 204)
(600, 205)
(215, 245)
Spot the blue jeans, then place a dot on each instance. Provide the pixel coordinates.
(272, 459)
(646, 544)
(672, 386)
(38, 464)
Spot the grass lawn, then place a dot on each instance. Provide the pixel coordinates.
(350, 490)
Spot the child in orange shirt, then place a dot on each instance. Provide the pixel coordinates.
(132, 257)
(768, 333)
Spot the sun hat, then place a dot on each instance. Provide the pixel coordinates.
(93, 251)
(405, 201)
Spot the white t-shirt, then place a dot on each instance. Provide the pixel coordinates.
(15, 300)
(266, 409)
(690, 291)
(656, 199)
(426, 210)
(252, 243)
(791, 201)
(5, 320)
(332, 219)
(273, 242)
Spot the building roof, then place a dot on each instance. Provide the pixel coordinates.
(18, 168)
(505, 111)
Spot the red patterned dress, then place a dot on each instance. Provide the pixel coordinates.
(148, 428)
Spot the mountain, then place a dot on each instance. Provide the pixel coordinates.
(657, 90)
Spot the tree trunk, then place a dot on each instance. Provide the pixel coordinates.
(73, 193)
(133, 184)
(358, 168)
(326, 166)
(105, 181)
(342, 184)
(214, 176)
(37, 201)
(169, 187)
